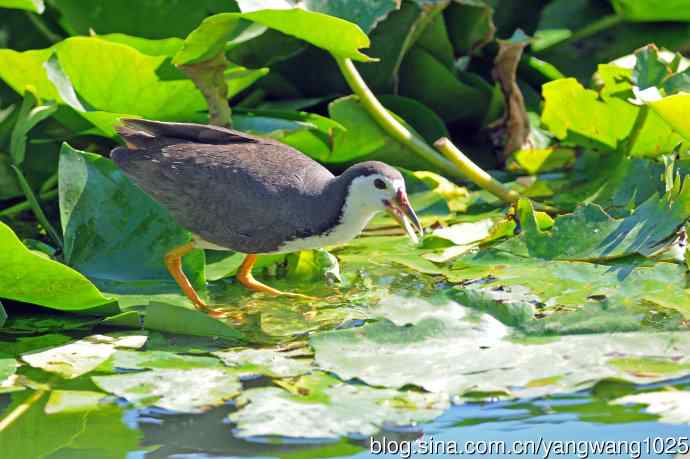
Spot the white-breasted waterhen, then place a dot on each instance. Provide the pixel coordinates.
(235, 191)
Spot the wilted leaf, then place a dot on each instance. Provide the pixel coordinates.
(80, 357)
(115, 234)
(182, 391)
(34, 279)
(333, 410)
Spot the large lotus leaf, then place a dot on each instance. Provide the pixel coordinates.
(172, 318)
(672, 407)
(590, 234)
(561, 18)
(115, 78)
(576, 115)
(32, 278)
(25, 69)
(649, 10)
(391, 40)
(597, 297)
(150, 47)
(427, 80)
(37, 6)
(339, 37)
(180, 390)
(80, 357)
(673, 109)
(143, 18)
(95, 431)
(327, 408)
(115, 234)
(462, 351)
(470, 25)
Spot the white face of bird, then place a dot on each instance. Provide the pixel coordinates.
(377, 192)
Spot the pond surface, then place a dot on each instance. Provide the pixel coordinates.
(578, 417)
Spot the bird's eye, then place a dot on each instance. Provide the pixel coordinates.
(380, 184)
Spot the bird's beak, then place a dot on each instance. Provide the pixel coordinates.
(401, 210)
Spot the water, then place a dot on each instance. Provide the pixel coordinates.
(485, 427)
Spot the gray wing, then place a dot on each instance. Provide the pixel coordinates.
(245, 193)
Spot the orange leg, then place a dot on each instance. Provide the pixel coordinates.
(173, 261)
(245, 277)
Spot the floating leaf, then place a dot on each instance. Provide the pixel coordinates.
(115, 234)
(335, 409)
(175, 319)
(8, 366)
(473, 352)
(269, 362)
(672, 407)
(34, 279)
(100, 432)
(148, 360)
(73, 401)
(182, 391)
(80, 357)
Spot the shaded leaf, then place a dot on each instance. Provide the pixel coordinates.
(470, 25)
(30, 114)
(175, 319)
(181, 391)
(649, 10)
(116, 234)
(649, 69)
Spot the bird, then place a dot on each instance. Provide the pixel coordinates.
(239, 192)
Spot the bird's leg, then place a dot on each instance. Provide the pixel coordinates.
(173, 261)
(245, 277)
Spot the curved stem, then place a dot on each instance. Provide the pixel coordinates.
(606, 22)
(634, 134)
(454, 162)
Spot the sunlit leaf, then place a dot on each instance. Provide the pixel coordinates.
(269, 362)
(34, 279)
(177, 390)
(36, 6)
(672, 407)
(80, 357)
(334, 409)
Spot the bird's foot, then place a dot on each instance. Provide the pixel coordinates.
(217, 313)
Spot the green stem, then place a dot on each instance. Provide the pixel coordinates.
(454, 163)
(631, 140)
(36, 207)
(44, 29)
(26, 205)
(590, 29)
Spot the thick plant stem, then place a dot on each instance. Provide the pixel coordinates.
(474, 173)
(454, 163)
(209, 77)
(388, 122)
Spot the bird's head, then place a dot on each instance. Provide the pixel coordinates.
(376, 186)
